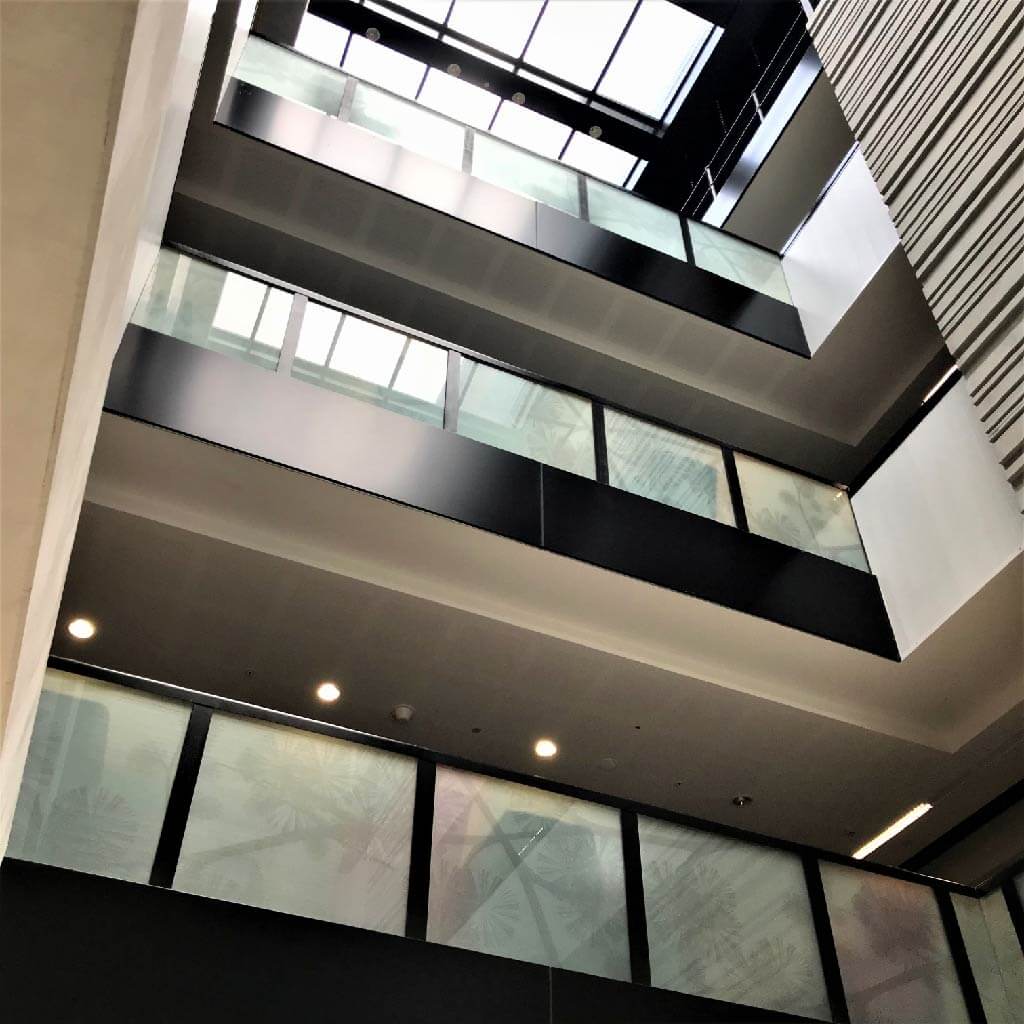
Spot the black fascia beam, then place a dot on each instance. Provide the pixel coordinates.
(625, 130)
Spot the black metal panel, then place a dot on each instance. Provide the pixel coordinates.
(363, 155)
(204, 394)
(419, 853)
(636, 911)
(697, 556)
(672, 281)
(78, 949)
(961, 961)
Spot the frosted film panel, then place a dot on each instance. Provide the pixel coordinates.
(301, 823)
(739, 261)
(527, 874)
(801, 512)
(729, 920)
(286, 74)
(99, 771)
(664, 466)
(371, 362)
(214, 308)
(529, 175)
(635, 218)
(408, 125)
(542, 423)
(893, 956)
(995, 955)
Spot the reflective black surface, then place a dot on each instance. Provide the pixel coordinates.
(214, 397)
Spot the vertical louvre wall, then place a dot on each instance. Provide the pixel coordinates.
(934, 92)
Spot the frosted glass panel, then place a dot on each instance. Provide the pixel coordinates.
(529, 175)
(542, 423)
(893, 956)
(286, 74)
(214, 308)
(635, 218)
(371, 362)
(99, 771)
(995, 955)
(527, 874)
(801, 512)
(739, 261)
(302, 823)
(664, 466)
(408, 125)
(729, 920)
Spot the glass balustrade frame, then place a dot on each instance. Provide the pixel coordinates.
(689, 253)
(598, 405)
(203, 706)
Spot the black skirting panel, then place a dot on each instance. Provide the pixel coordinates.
(360, 154)
(79, 949)
(214, 397)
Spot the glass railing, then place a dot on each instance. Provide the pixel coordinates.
(294, 76)
(386, 365)
(305, 818)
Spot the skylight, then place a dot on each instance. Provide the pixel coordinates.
(367, 351)
(598, 159)
(502, 24)
(321, 39)
(531, 130)
(461, 100)
(387, 68)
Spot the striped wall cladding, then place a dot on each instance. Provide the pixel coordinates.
(934, 92)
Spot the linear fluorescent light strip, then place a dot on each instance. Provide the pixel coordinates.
(893, 830)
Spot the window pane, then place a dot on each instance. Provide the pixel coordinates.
(635, 218)
(306, 824)
(800, 512)
(526, 128)
(321, 39)
(287, 74)
(995, 955)
(408, 125)
(97, 777)
(389, 69)
(528, 175)
(598, 158)
(214, 308)
(465, 102)
(575, 38)
(523, 873)
(739, 261)
(434, 10)
(655, 54)
(664, 466)
(542, 423)
(503, 24)
(373, 363)
(892, 949)
(729, 920)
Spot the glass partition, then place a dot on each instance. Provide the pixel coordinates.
(893, 955)
(408, 125)
(307, 824)
(995, 955)
(801, 512)
(739, 261)
(97, 777)
(373, 363)
(214, 308)
(521, 416)
(285, 73)
(632, 217)
(667, 467)
(528, 874)
(729, 920)
(531, 176)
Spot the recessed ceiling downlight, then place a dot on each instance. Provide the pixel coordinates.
(328, 692)
(82, 629)
(893, 830)
(545, 748)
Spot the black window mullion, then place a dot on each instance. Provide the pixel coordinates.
(735, 492)
(179, 800)
(825, 940)
(1016, 909)
(592, 95)
(962, 963)
(636, 912)
(600, 444)
(419, 854)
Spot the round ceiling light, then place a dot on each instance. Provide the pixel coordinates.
(328, 692)
(82, 629)
(545, 748)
